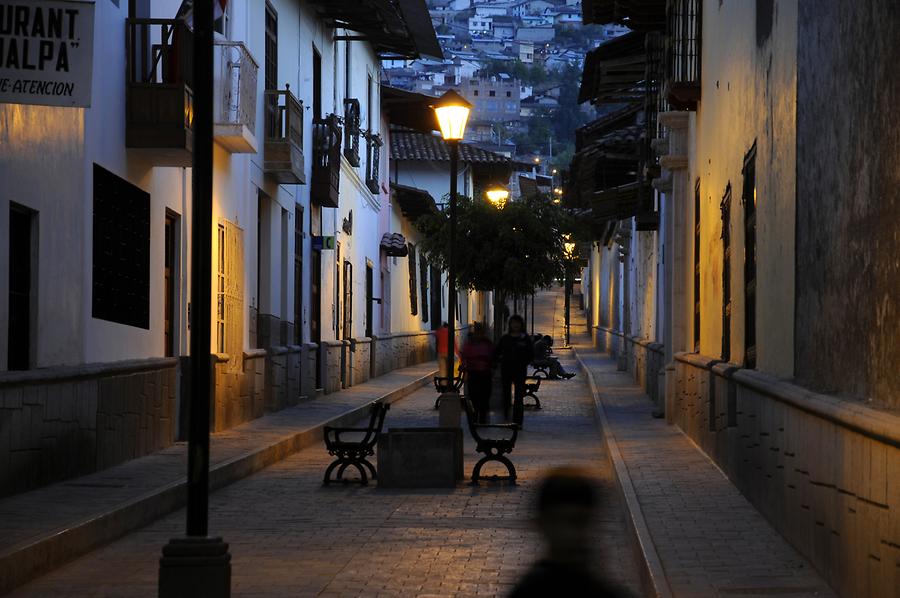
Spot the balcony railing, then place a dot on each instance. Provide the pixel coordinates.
(158, 96)
(683, 53)
(283, 150)
(326, 170)
(351, 130)
(236, 74)
(373, 160)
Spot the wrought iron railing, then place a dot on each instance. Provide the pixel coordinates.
(236, 79)
(351, 130)
(326, 171)
(373, 162)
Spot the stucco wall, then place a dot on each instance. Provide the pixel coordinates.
(748, 94)
(848, 203)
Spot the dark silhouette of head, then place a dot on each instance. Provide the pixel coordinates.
(548, 339)
(565, 506)
(516, 324)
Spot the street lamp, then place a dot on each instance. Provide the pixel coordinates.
(452, 112)
(497, 195)
(569, 253)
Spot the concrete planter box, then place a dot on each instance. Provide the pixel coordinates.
(420, 458)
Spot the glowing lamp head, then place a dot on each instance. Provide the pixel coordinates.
(497, 195)
(569, 249)
(452, 112)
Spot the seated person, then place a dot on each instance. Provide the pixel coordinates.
(542, 358)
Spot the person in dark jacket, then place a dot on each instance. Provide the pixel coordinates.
(514, 352)
(567, 500)
(543, 358)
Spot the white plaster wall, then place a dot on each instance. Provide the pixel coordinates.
(749, 93)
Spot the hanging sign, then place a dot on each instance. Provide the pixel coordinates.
(321, 243)
(46, 52)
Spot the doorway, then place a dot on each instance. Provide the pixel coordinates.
(170, 266)
(370, 299)
(22, 287)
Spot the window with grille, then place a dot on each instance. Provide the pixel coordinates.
(423, 282)
(120, 289)
(726, 274)
(220, 292)
(413, 286)
(697, 266)
(748, 198)
(271, 69)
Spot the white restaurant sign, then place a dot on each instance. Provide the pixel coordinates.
(46, 52)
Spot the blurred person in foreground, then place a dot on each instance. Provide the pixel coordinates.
(566, 505)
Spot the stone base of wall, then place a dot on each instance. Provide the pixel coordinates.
(238, 396)
(58, 423)
(359, 361)
(309, 362)
(644, 359)
(824, 471)
(393, 351)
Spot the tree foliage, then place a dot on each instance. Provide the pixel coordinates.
(512, 250)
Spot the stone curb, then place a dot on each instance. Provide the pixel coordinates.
(27, 560)
(653, 576)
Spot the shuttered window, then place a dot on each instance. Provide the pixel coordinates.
(726, 274)
(748, 198)
(413, 290)
(230, 294)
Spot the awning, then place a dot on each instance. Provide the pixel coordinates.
(413, 202)
(396, 28)
(394, 245)
(409, 109)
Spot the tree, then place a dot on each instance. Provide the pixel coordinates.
(513, 250)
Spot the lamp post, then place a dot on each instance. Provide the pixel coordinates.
(452, 112)
(569, 249)
(199, 566)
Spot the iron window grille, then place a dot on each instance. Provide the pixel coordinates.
(726, 274)
(683, 53)
(748, 199)
(351, 130)
(373, 162)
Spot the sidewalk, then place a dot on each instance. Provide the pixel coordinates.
(697, 532)
(44, 528)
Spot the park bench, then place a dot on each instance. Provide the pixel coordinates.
(494, 449)
(351, 446)
(442, 384)
(532, 386)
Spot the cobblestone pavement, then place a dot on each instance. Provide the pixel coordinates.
(290, 536)
(712, 542)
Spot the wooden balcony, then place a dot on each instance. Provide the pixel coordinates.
(158, 95)
(235, 87)
(283, 150)
(326, 170)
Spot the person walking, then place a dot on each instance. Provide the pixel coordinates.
(477, 358)
(567, 503)
(514, 352)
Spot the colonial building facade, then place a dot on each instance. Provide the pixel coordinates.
(95, 202)
(743, 264)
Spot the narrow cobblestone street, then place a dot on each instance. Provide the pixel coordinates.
(289, 536)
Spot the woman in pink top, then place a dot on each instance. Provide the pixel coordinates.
(477, 358)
